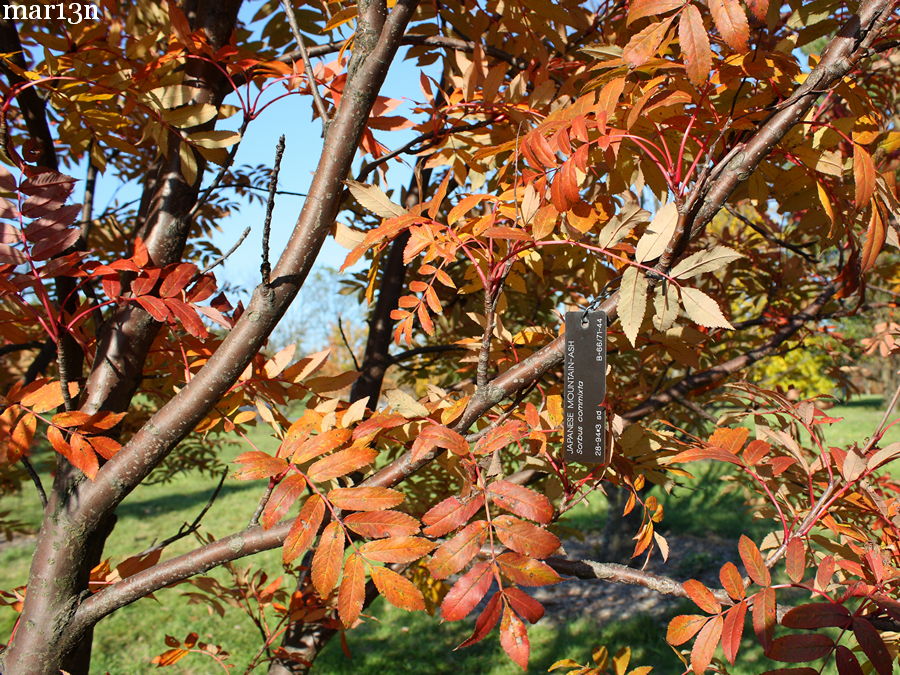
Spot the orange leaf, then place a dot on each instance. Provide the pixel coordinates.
(876, 234)
(641, 8)
(365, 498)
(694, 42)
(795, 560)
(257, 464)
(705, 645)
(47, 397)
(643, 45)
(341, 463)
(319, 445)
(467, 592)
(456, 553)
(755, 451)
(74, 418)
(375, 524)
(729, 17)
(525, 538)
(514, 638)
(78, 451)
(863, 176)
(352, 592)
(732, 581)
(304, 529)
(521, 500)
(753, 561)
(526, 571)
(326, 563)
(397, 589)
(404, 549)
(450, 514)
(702, 596)
(683, 627)
(758, 8)
(731, 440)
(438, 436)
(732, 630)
(498, 438)
(282, 498)
(764, 614)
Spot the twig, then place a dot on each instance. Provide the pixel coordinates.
(266, 269)
(36, 479)
(247, 186)
(347, 344)
(395, 359)
(430, 139)
(204, 196)
(879, 430)
(87, 208)
(254, 519)
(186, 529)
(9, 349)
(693, 407)
(768, 235)
(313, 85)
(218, 261)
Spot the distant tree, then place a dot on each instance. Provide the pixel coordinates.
(719, 193)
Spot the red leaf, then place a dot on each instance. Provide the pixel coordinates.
(683, 627)
(176, 279)
(732, 630)
(873, 646)
(729, 17)
(352, 592)
(485, 621)
(257, 464)
(467, 592)
(846, 662)
(525, 571)
(154, 307)
(365, 498)
(449, 514)
(187, 316)
(732, 581)
(524, 605)
(456, 553)
(397, 589)
(375, 524)
(403, 549)
(795, 559)
(755, 451)
(326, 563)
(753, 561)
(525, 538)
(800, 648)
(304, 529)
(514, 638)
(702, 596)
(522, 501)
(758, 8)
(705, 644)
(282, 498)
(817, 615)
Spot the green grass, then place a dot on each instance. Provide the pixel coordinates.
(391, 641)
